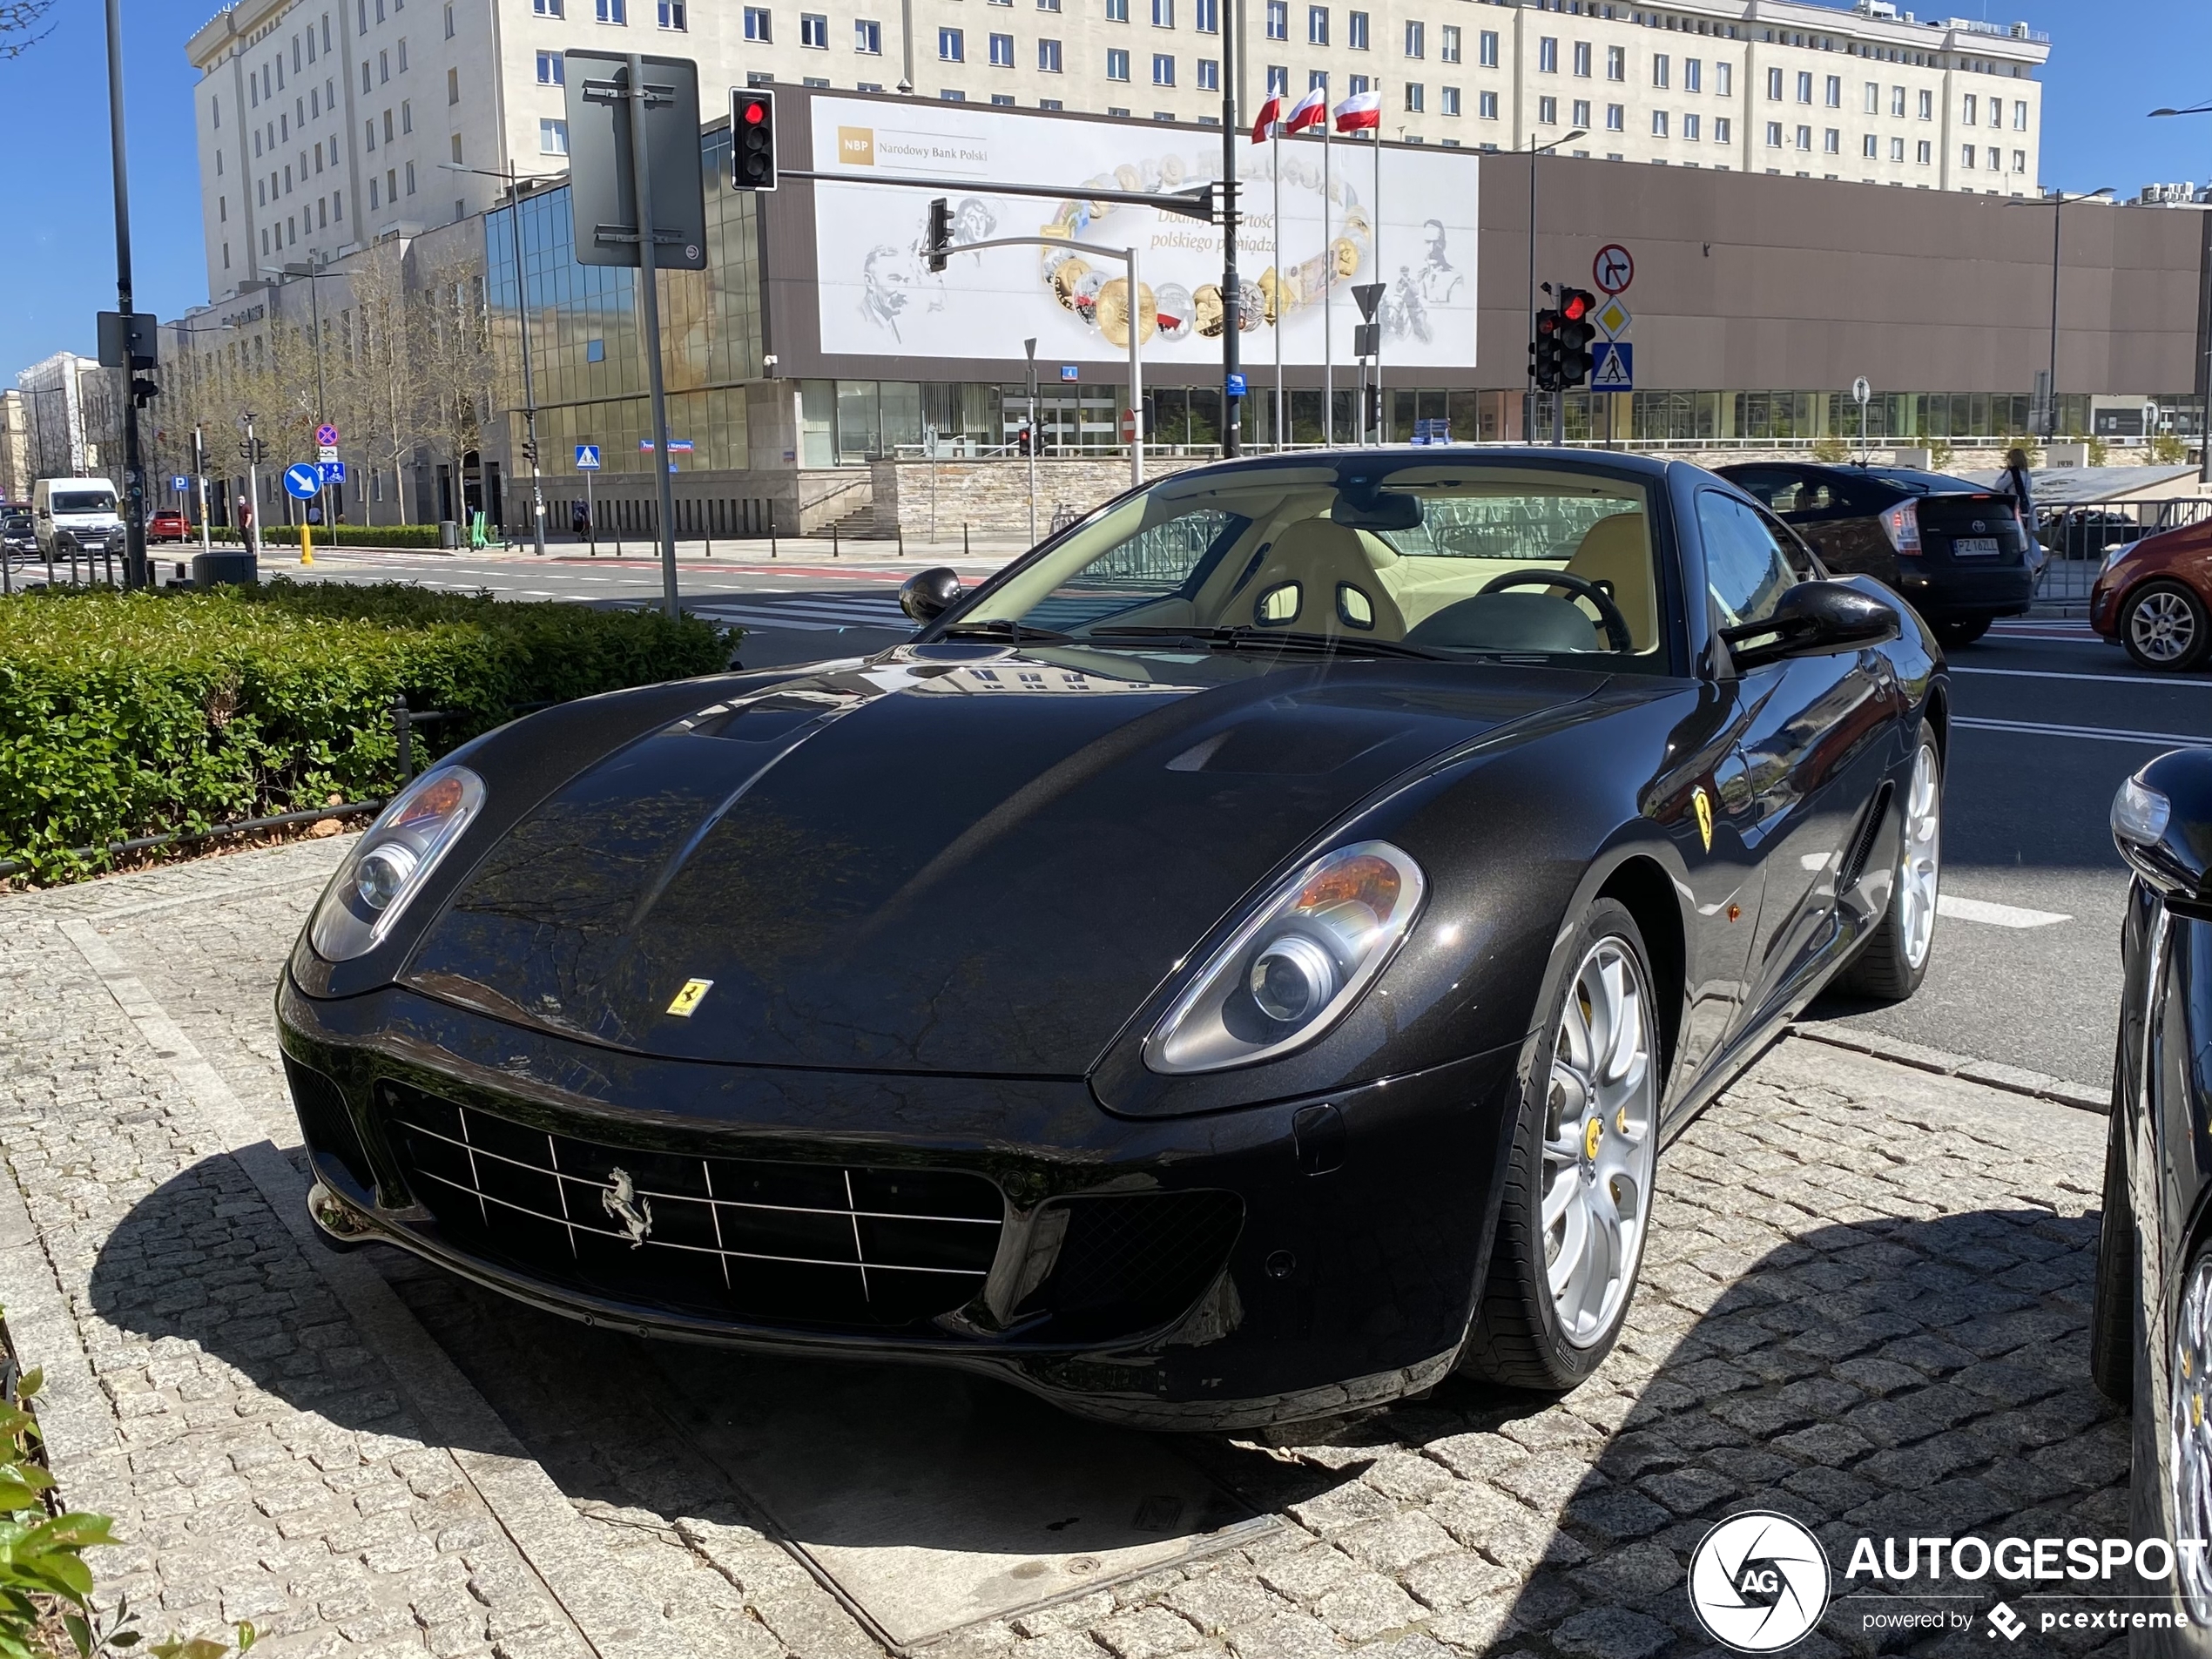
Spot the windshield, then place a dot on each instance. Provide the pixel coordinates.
(1413, 557)
(1928, 483)
(84, 500)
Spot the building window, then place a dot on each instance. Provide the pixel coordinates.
(2020, 115)
(1580, 116)
(549, 8)
(1871, 148)
(1897, 149)
(949, 96)
(1774, 135)
(1001, 51)
(1616, 117)
(952, 46)
(1924, 152)
(1163, 13)
(1317, 25)
(1805, 137)
(1117, 11)
(1486, 105)
(403, 56)
(1873, 98)
(1966, 156)
(1049, 56)
(1279, 79)
(1447, 43)
(814, 30)
(1897, 100)
(1774, 87)
(1208, 75)
(549, 71)
(1049, 104)
(1205, 16)
(1354, 84)
(1831, 142)
(406, 115)
(1689, 128)
(758, 25)
(1723, 130)
(1117, 63)
(1416, 39)
(450, 31)
(1973, 109)
(1547, 111)
(1415, 98)
(1997, 112)
(1693, 75)
(1355, 31)
(1447, 100)
(1834, 92)
(1993, 159)
(1724, 80)
(456, 149)
(1616, 63)
(1002, 100)
(1316, 80)
(1927, 105)
(1658, 123)
(410, 179)
(671, 16)
(868, 37)
(2019, 161)
(1547, 56)
(1279, 19)
(1660, 69)
(1582, 58)
(1804, 86)
(617, 11)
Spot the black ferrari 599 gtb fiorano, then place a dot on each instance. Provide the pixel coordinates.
(1240, 961)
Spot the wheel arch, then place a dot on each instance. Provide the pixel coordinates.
(1642, 885)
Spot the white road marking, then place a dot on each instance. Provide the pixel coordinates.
(2105, 679)
(2101, 734)
(1951, 905)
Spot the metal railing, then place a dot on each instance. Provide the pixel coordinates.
(2076, 538)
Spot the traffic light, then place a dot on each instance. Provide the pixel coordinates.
(752, 138)
(1374, 408)
(143, 391)
(1544, 352)
(940, 233)
(1577, 307)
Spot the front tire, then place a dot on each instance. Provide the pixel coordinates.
(1578, 1184)
(1959, 632)
(2112, 1318)
(2164, 627)
(1891, 965)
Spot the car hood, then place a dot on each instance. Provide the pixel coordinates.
(949, 859)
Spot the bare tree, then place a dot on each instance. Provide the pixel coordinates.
(458, 364)
(23, 25)
(381, 395)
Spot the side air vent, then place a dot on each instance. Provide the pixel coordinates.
(1862, 842)
(325, 1124)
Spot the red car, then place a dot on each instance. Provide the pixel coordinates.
(168, 527)
(2154, 598)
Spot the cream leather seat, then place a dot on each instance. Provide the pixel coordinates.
(1337, 589)
(1616, 551)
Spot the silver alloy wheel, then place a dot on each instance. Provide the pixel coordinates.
(2189, 1433)
(1600, 1143)
(2162, 626)
(1920, 865)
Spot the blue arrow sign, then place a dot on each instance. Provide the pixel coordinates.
(301, 479)
(334, 472)
(587, 458)
(1612, 366)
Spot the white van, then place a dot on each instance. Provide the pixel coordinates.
(84, 508)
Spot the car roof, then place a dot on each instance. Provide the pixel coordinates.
(1610, 462)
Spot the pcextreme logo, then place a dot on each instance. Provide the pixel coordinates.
(1758, 1582)
(856, 146)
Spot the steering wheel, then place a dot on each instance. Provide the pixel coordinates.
(1609, 614)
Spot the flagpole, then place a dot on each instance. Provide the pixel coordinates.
(1328, 292)
(1275, 154)
(1381, 271)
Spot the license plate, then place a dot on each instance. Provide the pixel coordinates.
(1973, 547)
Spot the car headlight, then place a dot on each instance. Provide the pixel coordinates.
(2113, 555)
(1293, 969)
(393, 859)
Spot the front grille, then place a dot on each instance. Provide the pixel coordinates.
(324, 1122)
(806, 1244)
(1132, 1261)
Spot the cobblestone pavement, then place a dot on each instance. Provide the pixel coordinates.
(1863, 1305)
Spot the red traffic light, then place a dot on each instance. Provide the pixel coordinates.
(755, 113)
(1575, 305)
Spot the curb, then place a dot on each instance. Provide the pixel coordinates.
(1990, 1073)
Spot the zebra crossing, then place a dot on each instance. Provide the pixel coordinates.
(809, 612)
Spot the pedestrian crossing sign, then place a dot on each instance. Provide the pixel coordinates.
(1612, 366)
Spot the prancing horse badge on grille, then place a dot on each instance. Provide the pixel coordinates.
(621, 1201)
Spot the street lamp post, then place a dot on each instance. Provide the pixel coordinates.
(2059, 199)
(523, 324)
(1528, 397)
(2204, 376)
(315, 313)
(134, 481)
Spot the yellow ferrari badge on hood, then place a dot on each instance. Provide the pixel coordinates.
(689, 997)
(1699, 802)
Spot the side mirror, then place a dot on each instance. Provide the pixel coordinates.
(1810, 620)
(2161, 821)
(927, 594)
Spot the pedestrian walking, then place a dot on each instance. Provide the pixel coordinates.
(2020, 483)
(580, 522)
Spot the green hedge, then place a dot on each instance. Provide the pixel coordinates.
(339, 536)
(132, 714)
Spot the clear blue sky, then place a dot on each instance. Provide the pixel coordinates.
(2111, 62)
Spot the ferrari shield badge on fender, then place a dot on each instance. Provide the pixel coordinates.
(695, 989)
(1699, 802)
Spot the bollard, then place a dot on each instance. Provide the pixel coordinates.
(772, 527)
(902, 540)
(963, 541)
(834, 550)
(403, 729)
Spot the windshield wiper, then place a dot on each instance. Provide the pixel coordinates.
(1014, 632)
(1247, 637)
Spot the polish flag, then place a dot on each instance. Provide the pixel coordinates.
(1360, 110)
(1269, 114)
(1311, 111)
